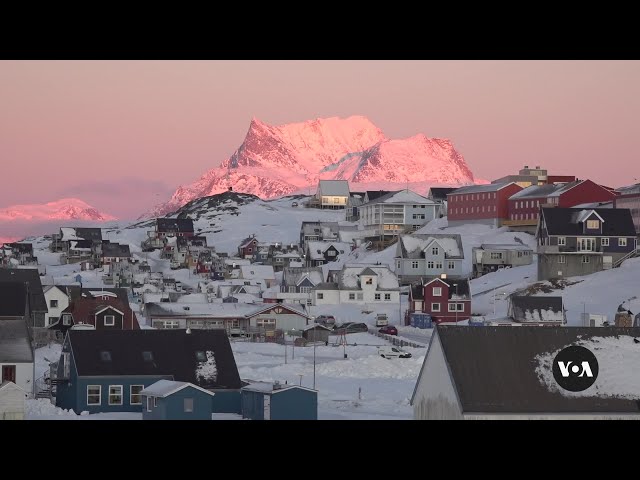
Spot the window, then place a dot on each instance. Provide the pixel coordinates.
(269, 323)
(438, 265)
(561, 259)
(109, 320)
(414, 265)
(66, 319)
(376, 296)
(331, 253)
(586, 259)
(593, 224)
(387, 297)
(605, 241)
(369, 281)
(149, 403)
(562, 241)
(53, 320)
(135, 398)
(93, 394)
(437, 291)
(309, 302)
(435, 251)
(155, 402)
(496, 255)
(170, 324)
(53, 303)
(435, 307)
(320, 296)
(360, 296)
(586, 244)
(430, 264)
(398, 264)
(456, 307)
(115, 394)
(622, 242)
(105, 356)
(352, 296)
(188, 404)
(451, 265)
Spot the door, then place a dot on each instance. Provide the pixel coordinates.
(267, 407)
(8, 373)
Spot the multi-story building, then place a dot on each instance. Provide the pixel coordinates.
(483, 204)
(629, 197)
(424, 256)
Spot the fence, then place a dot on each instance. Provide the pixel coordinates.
(399, 342)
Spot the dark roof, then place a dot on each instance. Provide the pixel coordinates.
(90, 234)
(174, 354)
(461, 287)
(564, 221)
(184, 225)
(417, 291)
(494, 368)
(440, 193)
(522, 304)
(76, 292)
(21, 247)
(32, 277)
(13, 299)
(83, 310)
(536, 191)
(15, 344)
(75, 244)
(375, 194)
(115, 250)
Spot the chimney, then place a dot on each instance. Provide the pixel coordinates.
(277, 385)
(526, 166)
(537, 166)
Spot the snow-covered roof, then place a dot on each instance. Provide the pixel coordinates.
(164, 388)
(413, 245)
(348, 236)
(264, 387)
(102, 293)
(74, 246)
(237, 261)
(321, 247)
(337, 188)
(287, 255)
(245, 297)
(257, 272)
(296, 263)
(504, 246)
(68, 234)
(490, 187)
(408, 196)
(349, 277)
(211, 310)
(315, 325)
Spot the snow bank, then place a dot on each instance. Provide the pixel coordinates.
(41, 408)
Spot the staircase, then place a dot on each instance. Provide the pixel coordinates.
(45, 388)
(631, 254)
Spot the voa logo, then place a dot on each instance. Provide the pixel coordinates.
(575, 368)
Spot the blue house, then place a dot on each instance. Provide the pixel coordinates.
(267, 401)
(106, 370)
(169, 400)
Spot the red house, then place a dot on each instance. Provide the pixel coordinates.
(447, 300)
(486, 204)
(104, 312)
(248, 247)
(524, 206)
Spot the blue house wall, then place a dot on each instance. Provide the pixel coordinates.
(291, 404)
(172, 407)
(252, 405)
(226, 401)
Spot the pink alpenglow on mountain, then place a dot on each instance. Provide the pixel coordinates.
(274, 161)
(65, 209)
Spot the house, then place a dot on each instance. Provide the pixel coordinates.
(106, 370)
(397, 212)
(77, 243)
(356, 237)
(297, 284)
(319, 253)
(352, 213)
(274, 401)
(629, 197)
(263, 274)
(524, 206)
(573, 241)
(16, 353)
(114, 252)
(359, 285)
(318, 231)
(30, 277)
(12, 400)
(171, 400)
(528, 309)
(371, 195)
(18, 253)
(491, 257)
(57, 301)
(285, 260)
(247, 247)
(332, 193)
(103, 310)
(316, 333)
(447, 300)
(481, 204)
(174, 227)
(428, 255)
(231, 264)
(491, 373)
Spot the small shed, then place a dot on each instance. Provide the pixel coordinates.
(274, 401)
(12, 399)
(316, 333)
(169, 400)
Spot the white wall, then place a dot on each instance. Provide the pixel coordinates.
(63, 302)
(11, 404)
(24, 375)
(435, 397)
(287, 321)
(368, 296)
(331, 297)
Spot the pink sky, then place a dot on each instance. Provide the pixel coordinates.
(122, 135)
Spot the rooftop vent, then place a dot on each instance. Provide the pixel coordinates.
(277, 385)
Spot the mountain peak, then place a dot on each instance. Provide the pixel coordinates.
(274, 161)
(63, 209)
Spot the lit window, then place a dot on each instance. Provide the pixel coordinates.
(593, 224)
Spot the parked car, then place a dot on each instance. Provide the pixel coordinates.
(389, 330)
(392, 352)
(382, 320)
(353, 327)
(325, 320)
(294, 204)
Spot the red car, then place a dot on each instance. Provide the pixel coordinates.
(389, 330)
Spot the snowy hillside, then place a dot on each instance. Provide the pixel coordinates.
(280, 160)
(65, 209)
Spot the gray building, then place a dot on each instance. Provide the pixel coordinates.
(491, 257)
(527, 309)
(332, 193)
(424, 256)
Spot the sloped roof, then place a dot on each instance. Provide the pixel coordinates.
(458, 289)
(32, 277)
(164, 388)
(15, 344)
(490, 187)
(173, 351)
(339, 188)
(401, 196)
(536, 309)
(13, 299)
(83, 309)
(505, 246)
(564, 221)
(116, 250)
(313, 248)
(349, 277)
(536, 191)
(258, 272)
(509, 360)
(293, 276)
(413, 245)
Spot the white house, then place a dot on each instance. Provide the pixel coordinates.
(16, 354)
(360, 285)
(263, 274)
(12, 399)
(428, 255)
(470, 373)
(57, 301)
(319, 253)
(397, 212)
(297, 284)
(333, 193)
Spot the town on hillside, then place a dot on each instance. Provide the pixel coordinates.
(371, 304)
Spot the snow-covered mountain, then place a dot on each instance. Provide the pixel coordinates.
(65, 209)
(274, 161)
